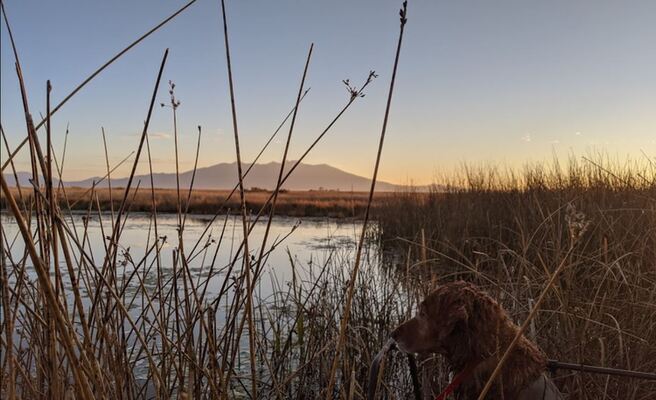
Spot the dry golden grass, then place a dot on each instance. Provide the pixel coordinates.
(290, 203)
(508, 233)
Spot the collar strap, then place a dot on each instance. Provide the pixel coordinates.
(457, 380)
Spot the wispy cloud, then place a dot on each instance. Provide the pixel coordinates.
(556, 141)
(578, 133)
(159, 135)
(526, 138)
(216, 135)
(151, 135)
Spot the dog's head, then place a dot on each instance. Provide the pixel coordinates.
(441, 312)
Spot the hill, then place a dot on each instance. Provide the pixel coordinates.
(224, 176)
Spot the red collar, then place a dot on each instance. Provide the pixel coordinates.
(457, 380)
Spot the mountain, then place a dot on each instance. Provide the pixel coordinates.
(24, 178)
(264, 176)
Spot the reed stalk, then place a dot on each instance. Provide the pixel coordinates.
(358, 254)
(246, 268)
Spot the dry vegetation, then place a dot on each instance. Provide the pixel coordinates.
(290, 203)
(509, 232)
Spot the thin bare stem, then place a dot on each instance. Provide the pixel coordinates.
(354, 274)
(246, 265)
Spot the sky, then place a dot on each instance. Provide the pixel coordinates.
(479, 82)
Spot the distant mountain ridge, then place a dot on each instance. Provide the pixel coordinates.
(224, 176)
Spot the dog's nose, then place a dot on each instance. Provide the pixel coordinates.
(400, 337)
(396, 333)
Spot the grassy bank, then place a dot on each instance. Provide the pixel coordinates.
(320, 203)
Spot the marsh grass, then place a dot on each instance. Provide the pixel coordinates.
(334, 204)
(508, 232)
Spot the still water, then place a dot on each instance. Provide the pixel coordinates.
(210, 246)
(306, 242)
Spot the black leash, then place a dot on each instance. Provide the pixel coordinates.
(415, 376)
(374, 371)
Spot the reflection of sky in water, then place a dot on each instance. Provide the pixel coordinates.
(305, 240)
(309, 242)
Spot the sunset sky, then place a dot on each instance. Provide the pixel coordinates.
(504, 82)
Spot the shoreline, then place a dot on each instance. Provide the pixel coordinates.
(295, 204)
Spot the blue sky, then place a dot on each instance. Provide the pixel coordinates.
(503, 82)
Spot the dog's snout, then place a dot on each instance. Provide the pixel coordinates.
(397, 336)
(413, 337)
(398, 333)
(403, 335)
(395, 333)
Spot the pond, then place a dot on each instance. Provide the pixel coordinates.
(208, 243)
(296, 249)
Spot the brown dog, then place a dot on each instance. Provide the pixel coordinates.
(470, 329)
